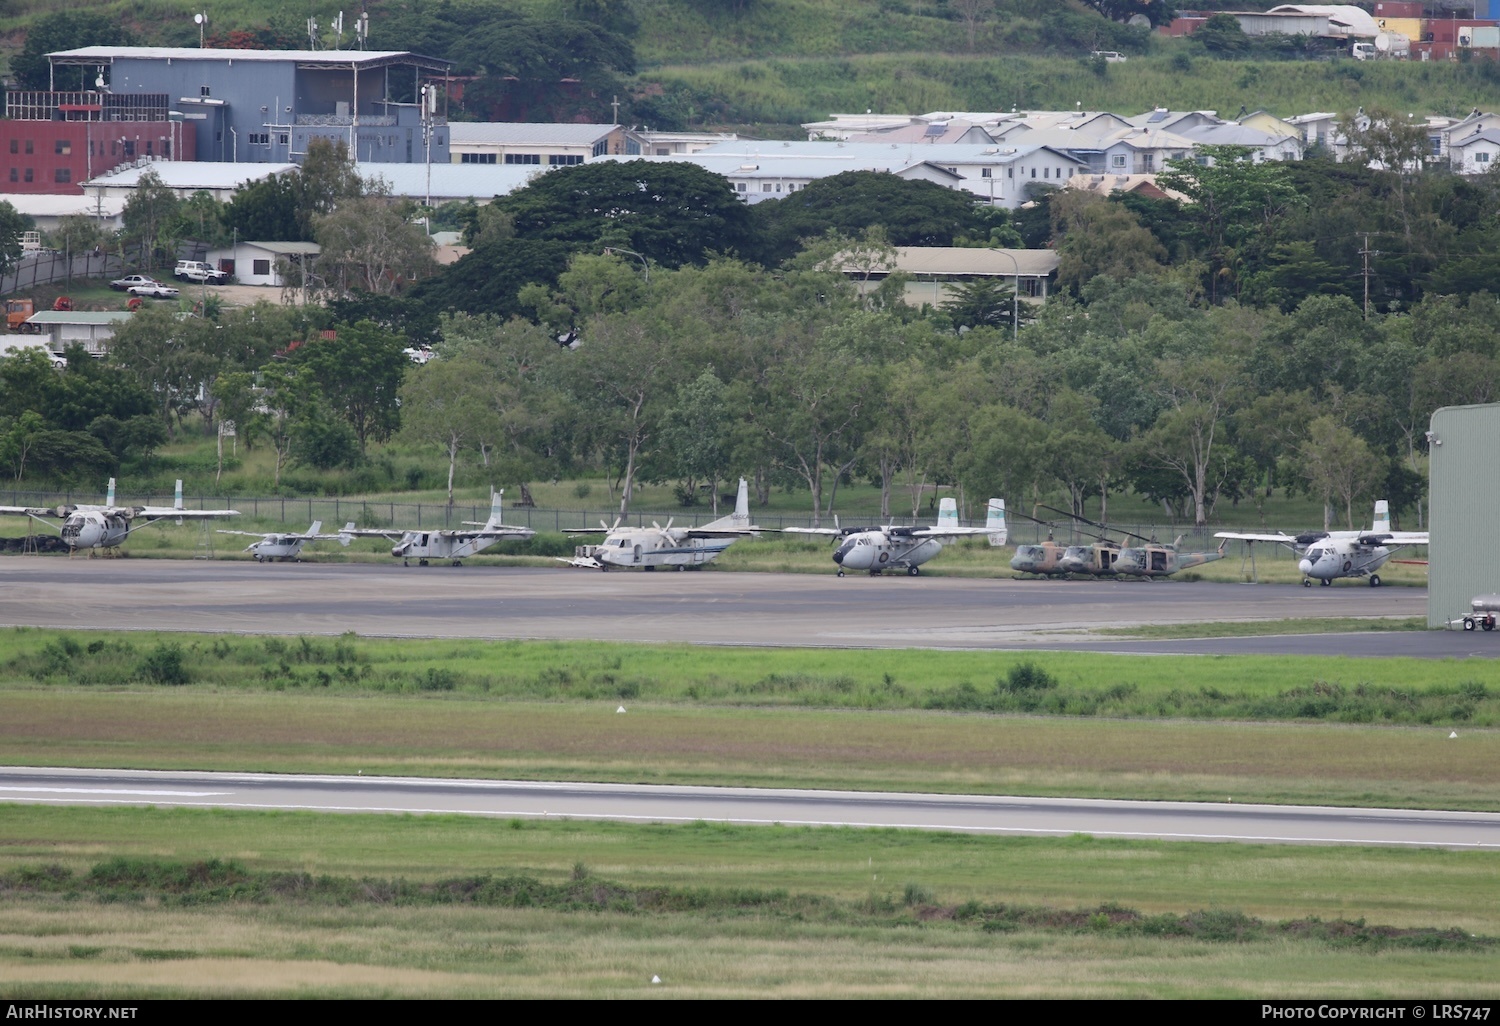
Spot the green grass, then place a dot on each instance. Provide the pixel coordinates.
(389, 906)
(1337, 689)
(446, 735)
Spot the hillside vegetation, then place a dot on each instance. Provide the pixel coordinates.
(772, 64)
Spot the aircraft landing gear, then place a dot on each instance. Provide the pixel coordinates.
(1374, 580)
(405, 563)
(421, 562)
(912, 571)
(1325, 582)
(604, 568)
(458, 562)
(841, 573)
(1307, 582)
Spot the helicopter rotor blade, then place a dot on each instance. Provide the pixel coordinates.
(1095, 523)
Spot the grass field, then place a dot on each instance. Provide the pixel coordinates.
(406, 906)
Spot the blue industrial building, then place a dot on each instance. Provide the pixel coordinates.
(267, 105)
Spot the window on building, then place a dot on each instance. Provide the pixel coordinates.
(477, 158)
(523, 158)
(1481, 158)
(261, 267)
(203, 90)
(984, 172)
(28, 174)
(15, 146)
(600, 148)
(739, 186)
(150, 148)
(1010, 172)
(281, 138)
(764, 186)
(1435, 142)
(1117, 160)
(28, 146)
(15, 174)
(1046, 172)
(564, 159)
(129, 147)
(662, 151)
(1033, 172)
(62, 174)
(62, 147)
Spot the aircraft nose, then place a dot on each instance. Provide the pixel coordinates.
(839, 554)
(1305, 566)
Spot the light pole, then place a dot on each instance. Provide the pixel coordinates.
(612, 250)
(1015, 294)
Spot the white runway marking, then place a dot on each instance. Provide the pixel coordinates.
(119, 790)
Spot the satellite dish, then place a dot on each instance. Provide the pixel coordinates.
(197, 19)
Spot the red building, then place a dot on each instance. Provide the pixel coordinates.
(52, 142)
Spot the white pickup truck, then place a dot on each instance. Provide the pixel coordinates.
(198, 271)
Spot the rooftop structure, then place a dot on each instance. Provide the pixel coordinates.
(268, 105)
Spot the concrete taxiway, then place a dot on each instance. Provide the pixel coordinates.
(1183, 821)
(709, 607)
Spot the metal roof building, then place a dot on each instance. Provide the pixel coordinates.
(267, 105)
(1464, 485)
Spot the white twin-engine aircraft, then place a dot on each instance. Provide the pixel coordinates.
(106, 527)
(1329, 555)
(281, 546)
(453, 545)
(654, 546)
(877, 549)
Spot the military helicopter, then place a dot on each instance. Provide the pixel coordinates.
(1152, 559)
(1051, 559)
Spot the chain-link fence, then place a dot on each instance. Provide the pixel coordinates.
(276, 513)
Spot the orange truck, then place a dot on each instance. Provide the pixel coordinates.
(16, 313)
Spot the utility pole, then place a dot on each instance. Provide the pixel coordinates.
(1366, 253)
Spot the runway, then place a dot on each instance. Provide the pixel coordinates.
(996, 816)
(712, 607)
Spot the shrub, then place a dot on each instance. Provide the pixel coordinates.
(163, 665)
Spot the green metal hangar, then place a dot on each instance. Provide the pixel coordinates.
(267, 105)
(1464, 447)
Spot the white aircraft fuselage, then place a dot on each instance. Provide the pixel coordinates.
(651, 547)
(425, 545)
(94, 530)
(879, 550)
(1328, 560)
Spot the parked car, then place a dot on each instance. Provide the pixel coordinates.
(155, 290)
(128, 282)
(199, 272)
(1110, 56)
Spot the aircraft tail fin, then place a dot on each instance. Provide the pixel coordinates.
(109, 496)
(1382, 523)
(497, 508)
(344, 536)
(994, 521)
(317, 525)
(948, 513)
(741, 515)
(177, 499)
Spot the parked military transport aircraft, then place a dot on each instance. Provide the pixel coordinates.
(1329, 555)
(453, 545)
(285, 547)
(654, 546)
(106, 527)
(877, 549)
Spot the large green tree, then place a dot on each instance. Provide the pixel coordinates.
(358, 373)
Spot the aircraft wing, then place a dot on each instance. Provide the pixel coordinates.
(28, 511)
(828, 531)
(1280, 539)
(946, 532)
(489, 532)
(1394, 538)
(582, 562)
(250, 534)
(723, 532)
(164, 512)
